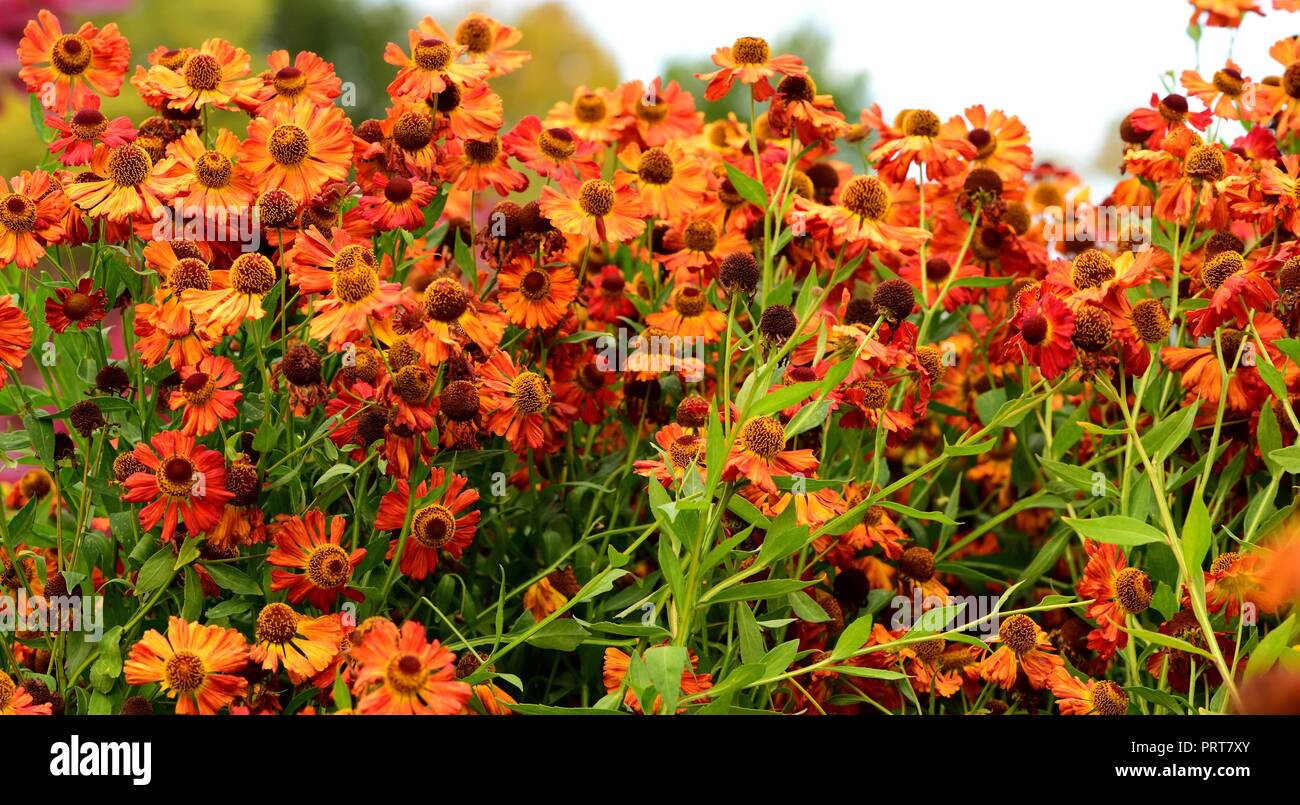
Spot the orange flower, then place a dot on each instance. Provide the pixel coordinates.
(298, 150)
(441, 524)
(1117, 591)
(471, 113)
(236, 293)
(1001, 143)
(309, 80)
(158, 338)
(536, 296)
(760, 451)
(679, 448)
(454, 316)
(182, 480)
(433, 65)
(1079, 697)
(1201, 371)
(396, 202)
(215, 183)
(1224, 13)
(670, 183)
(305, 645)
(196, 665)
(700, 241)
(76, 65)
(1043, 331)
(88, 127)
(657, 115)
(862, 211)
(402, 673)
(1025, 647)
(527, 414)
(302, 543)
(216, 74)
(411, 130)
(1222, 93)
(541, 599)
(921, 140)
(479, 164)
(594, 115)
(798, 107)
(750, 59)
(346, 273)
(206, 396)
(30, 213)
(131, 183)
(16, 701)
(595, 210)
(688, 314)
(553, 153)
(488, 42)
(1276, 100)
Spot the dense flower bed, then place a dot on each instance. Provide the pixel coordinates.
(817, 410)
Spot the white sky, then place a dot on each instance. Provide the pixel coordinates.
(1069, 70)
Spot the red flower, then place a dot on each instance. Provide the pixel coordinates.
(183, 481)
(206, 396)
(83, 304)
(1044, 330)
(441, 524)
(303, 544)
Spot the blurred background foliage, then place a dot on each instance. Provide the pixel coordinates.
(352, 34)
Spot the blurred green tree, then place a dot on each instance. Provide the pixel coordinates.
(351, 34)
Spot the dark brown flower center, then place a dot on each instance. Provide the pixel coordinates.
(71, 55)
(288, 145)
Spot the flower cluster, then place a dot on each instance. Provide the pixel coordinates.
(776, 405)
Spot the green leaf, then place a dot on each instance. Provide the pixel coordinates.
(1269, 436)
(1196, 538)
(1162, 440)
(1272, 647)
(192, 608)
(867, 673)
(232, 578)
(1289, 347)
(1158, 697)
(337, 471)
(974, 449)
(807, 609)
(748, 188)
(1167, 641)
(41, 432)
(752, 644)
(854, 637)
(1288, 458)
(781, 398)
(188, 553)
(779, 658)
(1272, 376)
(156, 572)
(600, 584)
(917, 514)
(665, 665)
(342, 696)
(561, 634)
(108, 664)
(758, 590)
(1115, 529)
